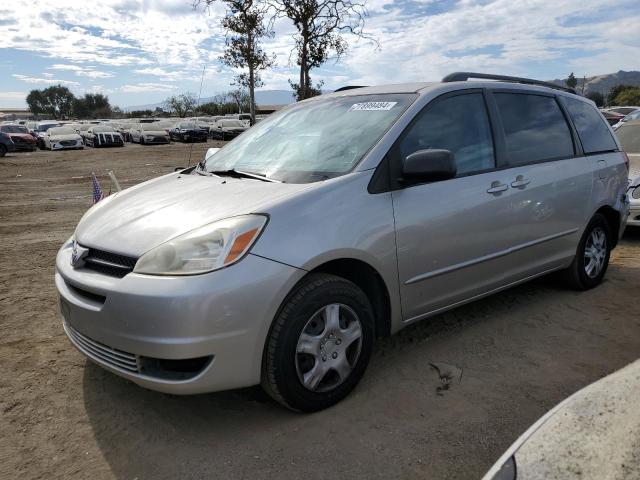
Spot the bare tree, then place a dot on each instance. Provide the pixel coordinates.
(245, 26)
(241, 98)
(181, 104)
(321, 26)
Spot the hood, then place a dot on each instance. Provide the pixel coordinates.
(155, 133)
(142, 217)
(68, 136)
(24, 136)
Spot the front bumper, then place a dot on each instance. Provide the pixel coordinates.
(59, 146)
(224, 315)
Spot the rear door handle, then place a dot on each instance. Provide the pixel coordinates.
(520, 182)
(497, 188)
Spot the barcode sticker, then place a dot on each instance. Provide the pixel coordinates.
(372, 106)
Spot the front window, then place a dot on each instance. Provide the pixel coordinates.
(47, 126)
(61, 131)
(313, 140)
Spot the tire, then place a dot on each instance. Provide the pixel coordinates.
(141, 140)
(3, 150)
(579, 275)
(304, 312)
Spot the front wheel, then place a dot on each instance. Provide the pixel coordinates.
(3, 150)
(592, 257)
(319, 345)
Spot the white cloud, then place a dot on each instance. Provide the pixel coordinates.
(47, 80)
(146, 87)
(89, 72)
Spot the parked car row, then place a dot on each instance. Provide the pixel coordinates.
(59, 135)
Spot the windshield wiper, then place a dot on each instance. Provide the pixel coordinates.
(241, 173)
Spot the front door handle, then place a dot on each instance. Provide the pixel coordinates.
(497, 188)
(520, 182)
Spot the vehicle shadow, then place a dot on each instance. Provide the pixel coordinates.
(522, 351)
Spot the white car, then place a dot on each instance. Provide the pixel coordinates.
(635, 115)
(62, 138)
(629, 137)
(591, 435)
(148, 133)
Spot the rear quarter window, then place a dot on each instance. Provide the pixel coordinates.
(535, 128)
(591, 127)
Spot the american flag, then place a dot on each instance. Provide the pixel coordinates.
(97, 191)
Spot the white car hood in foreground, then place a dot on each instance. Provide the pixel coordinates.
(593, 435)
(142, 217)
(69, 136)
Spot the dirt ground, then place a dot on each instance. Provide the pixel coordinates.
(518, 353)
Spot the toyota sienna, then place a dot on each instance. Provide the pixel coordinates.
(281, 257)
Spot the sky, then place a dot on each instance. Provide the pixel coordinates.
(142, 51)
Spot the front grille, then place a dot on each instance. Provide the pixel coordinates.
(98, 351)
(159, 139)
(67, 143)
(108, 263)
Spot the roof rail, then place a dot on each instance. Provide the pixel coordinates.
(349, 87)
(464, 76)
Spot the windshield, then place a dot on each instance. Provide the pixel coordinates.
(62, 131)
(14, 129)
(150, 127)
(47, 126)
(629, 136)
(102, 129)
(312, 141)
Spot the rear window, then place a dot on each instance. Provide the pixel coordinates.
(535, 128)
(592, 129)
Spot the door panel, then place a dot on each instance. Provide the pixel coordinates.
(452, 238)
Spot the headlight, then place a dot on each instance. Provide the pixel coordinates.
(636, 192)
(204, 249)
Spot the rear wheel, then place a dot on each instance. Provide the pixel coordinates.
(319, 345)
(592, 258)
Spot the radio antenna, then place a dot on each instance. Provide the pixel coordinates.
(197, 111)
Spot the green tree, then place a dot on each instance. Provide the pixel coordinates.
(181, 104)
(55, 101)
(571, 81)
(597, 98)
(614, 92)
(92, 106)
(628, 97)
(245, 26)
(321, 27)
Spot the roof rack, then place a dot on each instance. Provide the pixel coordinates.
(464, 76)
(349, 87)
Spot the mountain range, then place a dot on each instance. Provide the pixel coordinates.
(604, 83)
(263, 97)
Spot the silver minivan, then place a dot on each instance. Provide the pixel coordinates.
(280, 258)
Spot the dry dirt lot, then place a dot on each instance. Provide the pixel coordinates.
(520, 352)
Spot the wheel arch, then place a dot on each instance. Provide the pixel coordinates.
(612, 216)
(370, 281)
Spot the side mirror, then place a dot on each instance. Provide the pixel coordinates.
(428, 166)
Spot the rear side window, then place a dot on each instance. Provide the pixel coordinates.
(459, 124)
(592, 129)
(535, 128)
